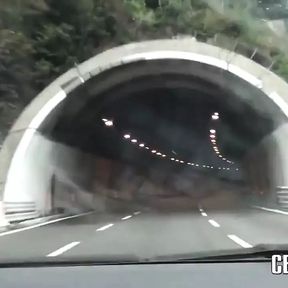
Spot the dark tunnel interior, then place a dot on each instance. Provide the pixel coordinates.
(167, 130)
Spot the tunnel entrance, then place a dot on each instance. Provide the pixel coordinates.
(162, 134)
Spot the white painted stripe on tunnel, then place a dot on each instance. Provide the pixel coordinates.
(204, 214)
(105, 227)
(213, 223)
(239, 241)
(126, 217)
(43, 224)
(192, 56)
(245, 75)
(47, 108)
(280, 102)
(27, 137)
(272, 210)
(137, 212)
(63, 249)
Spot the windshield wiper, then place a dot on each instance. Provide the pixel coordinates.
(262, 252)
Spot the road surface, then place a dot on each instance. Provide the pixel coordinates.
(146, 234)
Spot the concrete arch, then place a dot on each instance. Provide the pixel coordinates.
(18, 146)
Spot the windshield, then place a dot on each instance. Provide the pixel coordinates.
(142, 128)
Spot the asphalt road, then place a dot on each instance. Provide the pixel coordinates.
(147, 234)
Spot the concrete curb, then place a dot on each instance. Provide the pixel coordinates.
(30, 222)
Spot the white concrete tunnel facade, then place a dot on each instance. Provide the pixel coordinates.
(26, 167)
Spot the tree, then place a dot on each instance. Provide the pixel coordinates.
(40, 39)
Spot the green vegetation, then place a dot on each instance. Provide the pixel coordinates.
(40, 39)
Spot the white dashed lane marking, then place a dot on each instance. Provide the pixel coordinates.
(233, 237)
(126, 217)
(105, 227)
(63, 249)
(213, 223)
(239, 241)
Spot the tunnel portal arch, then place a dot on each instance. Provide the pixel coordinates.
(14, 160)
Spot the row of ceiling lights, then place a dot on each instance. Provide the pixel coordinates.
(213, 140)
(160, 154)
(133, 140)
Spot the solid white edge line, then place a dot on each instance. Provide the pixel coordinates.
(105, 227)
(126, 217)
(204, 214)
(213, 223)
(271, 210)
(43, 224)
(239, 241)
(63, 249)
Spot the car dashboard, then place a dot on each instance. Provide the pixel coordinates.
(232, 275)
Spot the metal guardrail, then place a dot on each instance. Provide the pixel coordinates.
(240, 47)
(257, 54)
(19, 211)
(282, 196)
